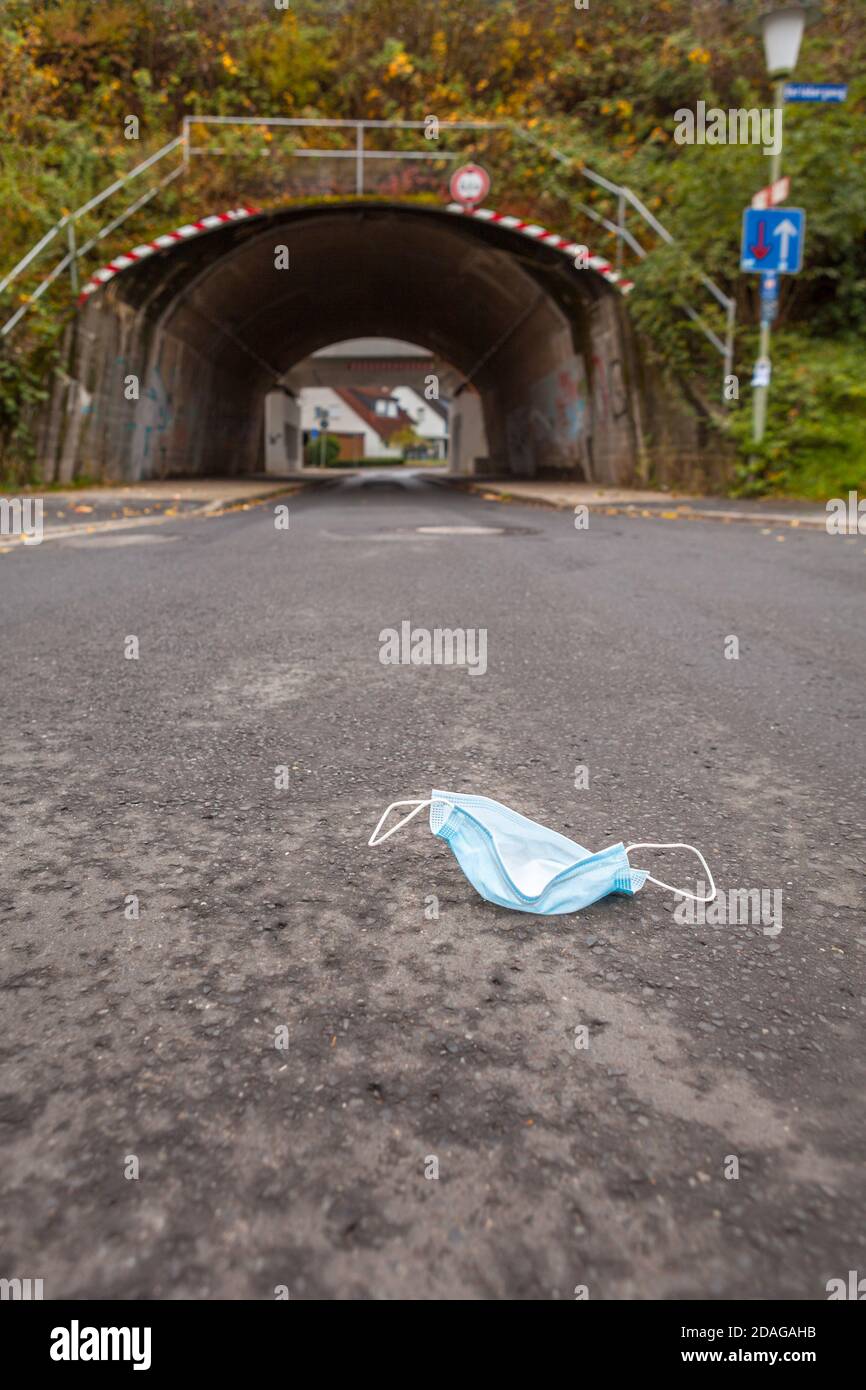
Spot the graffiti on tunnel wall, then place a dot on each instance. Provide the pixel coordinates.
(550, 429)
(609, 394)
(155, 416)
(567, 423)
(159, 429)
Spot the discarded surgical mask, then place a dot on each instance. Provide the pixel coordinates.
(517, 863)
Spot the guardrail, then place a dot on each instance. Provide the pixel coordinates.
(362, 155)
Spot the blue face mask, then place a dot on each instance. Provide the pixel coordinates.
(517, 863)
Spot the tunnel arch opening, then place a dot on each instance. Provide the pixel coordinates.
(383, 399)
(544, 353)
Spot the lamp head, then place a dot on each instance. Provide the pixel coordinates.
(781, 27)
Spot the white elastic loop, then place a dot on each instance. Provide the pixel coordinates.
(683, 892)
(419, 806)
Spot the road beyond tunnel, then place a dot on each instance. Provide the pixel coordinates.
(548, 367)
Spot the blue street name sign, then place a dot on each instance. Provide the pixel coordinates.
(815, 91)
(773, 240)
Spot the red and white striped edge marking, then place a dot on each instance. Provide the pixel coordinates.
(161, 243)
(559, 243)
(218, 219)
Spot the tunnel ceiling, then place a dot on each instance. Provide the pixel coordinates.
(456, 286)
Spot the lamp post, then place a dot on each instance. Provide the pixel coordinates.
(782, 31)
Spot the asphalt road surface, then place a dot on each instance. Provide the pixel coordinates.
(709, 1140)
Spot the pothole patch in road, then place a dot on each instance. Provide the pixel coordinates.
(403, 533)
(460, 530)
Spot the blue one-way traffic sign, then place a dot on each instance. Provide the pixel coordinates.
(773, 239)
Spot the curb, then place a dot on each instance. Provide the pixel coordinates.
(215, 507)
(657, 511)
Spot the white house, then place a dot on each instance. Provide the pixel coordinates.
(429, 418)
(363, 418)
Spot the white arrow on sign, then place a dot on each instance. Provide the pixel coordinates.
(785, 230)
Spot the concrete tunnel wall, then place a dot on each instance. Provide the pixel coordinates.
(211, 324)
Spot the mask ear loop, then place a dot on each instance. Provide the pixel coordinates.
(419, 806)
(683, 892)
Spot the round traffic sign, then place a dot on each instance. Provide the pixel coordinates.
(469, 184)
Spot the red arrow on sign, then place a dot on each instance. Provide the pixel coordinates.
(762, 249)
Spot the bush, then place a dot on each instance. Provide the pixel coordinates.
(24, 377)
(815, 439)
(322, 452)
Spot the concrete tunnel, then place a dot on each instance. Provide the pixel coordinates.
(543, 351)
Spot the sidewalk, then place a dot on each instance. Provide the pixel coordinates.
(671, 506)
(123, 506)
(179, 492)
(101, 507)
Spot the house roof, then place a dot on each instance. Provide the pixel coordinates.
(362, 399)
(438, 406)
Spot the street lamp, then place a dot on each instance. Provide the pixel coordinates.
(782, 31)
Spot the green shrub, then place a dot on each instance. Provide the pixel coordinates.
(25, 374)
(815, 439)
(322, 452)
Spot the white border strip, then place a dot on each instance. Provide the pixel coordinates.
(559, 243)
(161, 243)
(207, 224)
